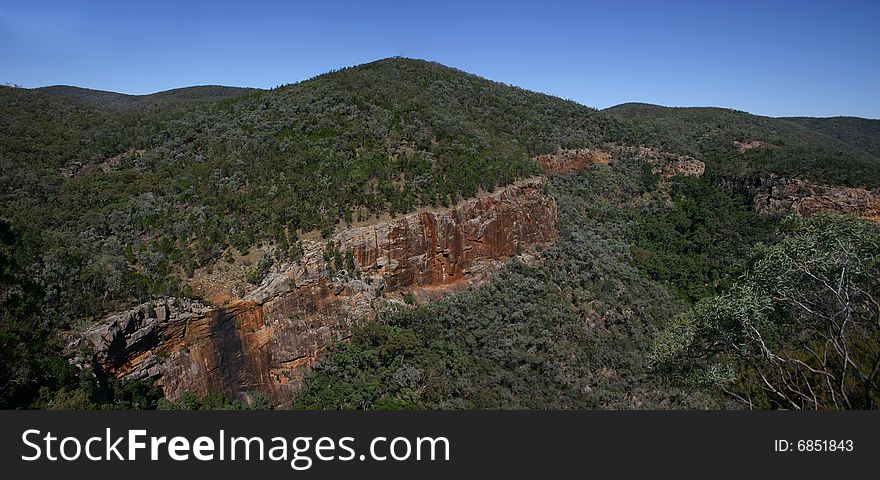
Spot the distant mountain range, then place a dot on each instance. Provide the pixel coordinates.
(99, 98)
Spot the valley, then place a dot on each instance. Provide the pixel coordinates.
(402, 234)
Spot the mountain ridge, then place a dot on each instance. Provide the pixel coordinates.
(196, 93)
(105, 206)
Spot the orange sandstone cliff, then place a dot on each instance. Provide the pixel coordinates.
(266, 341)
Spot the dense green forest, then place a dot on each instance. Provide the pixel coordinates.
(107, 200)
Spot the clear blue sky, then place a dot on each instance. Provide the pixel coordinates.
(771, 58)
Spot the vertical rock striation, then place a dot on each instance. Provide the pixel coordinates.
(266, 341)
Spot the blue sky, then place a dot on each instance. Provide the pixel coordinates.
(771, 58)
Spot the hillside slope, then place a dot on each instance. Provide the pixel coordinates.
(861, 133)
(739, 143)
(172, 187)
(109, 201)
(100, 98)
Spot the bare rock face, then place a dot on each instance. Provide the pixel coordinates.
(780, 196)
(267, 341)
(571, 160)
(664, 164)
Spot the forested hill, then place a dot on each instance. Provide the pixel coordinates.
(104, 206)
(100, 98)
(126, 201)
(738, 143)
(107, 200)
(128, 194)
(861, 133)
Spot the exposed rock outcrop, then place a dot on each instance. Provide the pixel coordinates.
(571, 160)
(781, 195)
(664, 164)
(267, 341)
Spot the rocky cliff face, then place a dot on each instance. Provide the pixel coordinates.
(780, 196)
(571, 160)
(268, 340)
(664, 164)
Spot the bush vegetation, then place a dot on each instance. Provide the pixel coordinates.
(799, 329)
(107, 200)
(571, 332)
(786, 148)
